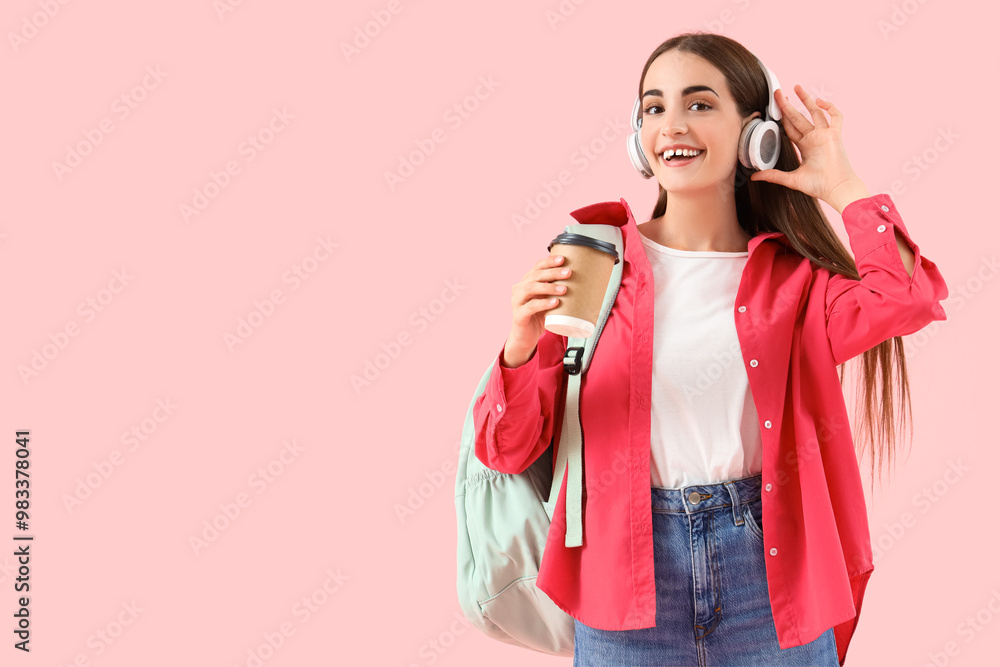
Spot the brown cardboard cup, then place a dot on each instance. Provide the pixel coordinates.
(591, 262)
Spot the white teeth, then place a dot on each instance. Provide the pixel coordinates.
(669, 153)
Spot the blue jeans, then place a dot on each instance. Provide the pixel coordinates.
(712, 605)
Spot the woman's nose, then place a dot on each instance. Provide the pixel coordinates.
(672, 122)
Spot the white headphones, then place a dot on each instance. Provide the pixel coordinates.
(760, 141)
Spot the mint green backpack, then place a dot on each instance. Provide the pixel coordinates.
(503, 519)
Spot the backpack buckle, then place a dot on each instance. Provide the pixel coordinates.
(572, 360)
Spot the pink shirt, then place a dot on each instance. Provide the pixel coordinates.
(795, 322)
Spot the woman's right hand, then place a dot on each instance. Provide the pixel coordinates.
(530, 303)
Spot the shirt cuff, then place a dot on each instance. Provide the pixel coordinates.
(871, 222)
(510, 384)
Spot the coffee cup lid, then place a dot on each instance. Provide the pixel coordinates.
(584, 240)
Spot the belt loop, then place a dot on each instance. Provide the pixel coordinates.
(737, 505)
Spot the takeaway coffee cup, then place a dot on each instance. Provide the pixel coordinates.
(591, 262)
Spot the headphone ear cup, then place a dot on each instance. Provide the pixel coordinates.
(743, 147)
(760, 144)
(634, 144)
(637, 155)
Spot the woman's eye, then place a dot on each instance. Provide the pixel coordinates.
(650, 108)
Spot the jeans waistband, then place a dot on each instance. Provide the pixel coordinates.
(701, 497)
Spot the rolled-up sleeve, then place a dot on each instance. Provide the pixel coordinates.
(886, 301)
(515, 416)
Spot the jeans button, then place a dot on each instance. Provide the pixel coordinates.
(694, 497)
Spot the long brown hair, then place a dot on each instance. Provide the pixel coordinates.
(764, 207)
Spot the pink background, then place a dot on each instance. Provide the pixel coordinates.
(429, 261)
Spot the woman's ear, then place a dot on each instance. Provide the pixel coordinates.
(746, 121)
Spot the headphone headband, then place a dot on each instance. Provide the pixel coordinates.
(772, 110)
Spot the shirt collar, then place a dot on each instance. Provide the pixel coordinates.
(619, 214)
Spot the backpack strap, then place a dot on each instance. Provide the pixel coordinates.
(579, 352)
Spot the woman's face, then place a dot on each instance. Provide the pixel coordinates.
(685, 100)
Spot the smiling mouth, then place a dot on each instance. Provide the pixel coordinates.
(678, 160)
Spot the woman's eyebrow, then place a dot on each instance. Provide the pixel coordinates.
(684, 93)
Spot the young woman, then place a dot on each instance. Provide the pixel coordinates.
(724, 517)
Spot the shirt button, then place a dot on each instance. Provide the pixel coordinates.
(742, 309)
(885, 208)
(753, 362)
(499, 408)
(774, 552)
(767, 423)
(881, 228)
(768, 487)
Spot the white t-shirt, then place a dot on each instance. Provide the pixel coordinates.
(704, 426)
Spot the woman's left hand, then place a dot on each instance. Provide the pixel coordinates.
(824, 161)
